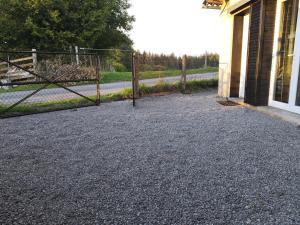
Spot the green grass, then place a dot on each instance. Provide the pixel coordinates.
(31, 87)
(192, 86)
(26, 88)
(47, 106)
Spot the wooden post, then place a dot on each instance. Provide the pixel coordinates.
(34, 59)
(77, 56)
(183, 76)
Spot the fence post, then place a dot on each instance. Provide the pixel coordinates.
(98, 77)
(77, 56)
(136, 73)
(183, 76)
(34, 59)
(34, 62)
(205, 64)
(133, 77)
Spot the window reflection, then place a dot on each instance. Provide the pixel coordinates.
(285, 52)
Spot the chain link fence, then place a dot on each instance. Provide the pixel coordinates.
(34, 82)
(160, 73)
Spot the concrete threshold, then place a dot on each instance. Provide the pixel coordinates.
(284, 115)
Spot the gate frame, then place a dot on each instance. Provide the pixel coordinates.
(47, 81)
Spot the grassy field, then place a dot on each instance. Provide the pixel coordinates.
(192, 86)
(29, 87)
(109, 77)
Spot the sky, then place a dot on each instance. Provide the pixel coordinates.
(174, 26)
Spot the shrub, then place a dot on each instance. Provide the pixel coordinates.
(119, 67)
(57, 70)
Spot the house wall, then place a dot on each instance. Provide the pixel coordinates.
(225, 55)
(262, 22)
(227, 24)
(262, 54)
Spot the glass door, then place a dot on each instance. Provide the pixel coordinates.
(298, 92)
(285, 52)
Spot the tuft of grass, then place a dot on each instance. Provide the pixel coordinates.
(119, 96)
(191, 86)
(47, 106)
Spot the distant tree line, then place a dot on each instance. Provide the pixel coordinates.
(156, 62)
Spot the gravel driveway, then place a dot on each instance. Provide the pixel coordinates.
(178, 159)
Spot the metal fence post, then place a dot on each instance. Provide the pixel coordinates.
(98, 77)
(183, 78)
(136, 74)
(133, 77)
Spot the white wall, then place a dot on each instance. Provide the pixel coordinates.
(226, 36)
(226, 41)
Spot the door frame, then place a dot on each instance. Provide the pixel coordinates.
(291, 105)
(244, 56)
(236, 54)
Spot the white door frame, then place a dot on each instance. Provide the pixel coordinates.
(291, 106)
(244, 59)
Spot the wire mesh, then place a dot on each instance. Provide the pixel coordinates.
(116, 71)
(161, 72)
(34, 82)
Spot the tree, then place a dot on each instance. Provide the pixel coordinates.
(58, 24)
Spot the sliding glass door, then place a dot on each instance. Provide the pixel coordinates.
(285, 53)
(298, 92)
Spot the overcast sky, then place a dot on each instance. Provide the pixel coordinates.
(178, 26)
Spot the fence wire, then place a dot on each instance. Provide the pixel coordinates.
(34, 82)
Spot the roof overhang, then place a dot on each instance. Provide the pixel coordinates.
(240, 5)
(212, 4)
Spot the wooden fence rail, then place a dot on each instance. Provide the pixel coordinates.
(10, 73)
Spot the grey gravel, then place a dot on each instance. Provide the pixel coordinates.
(177, 159)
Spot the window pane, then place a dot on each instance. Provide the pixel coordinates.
(285, 52)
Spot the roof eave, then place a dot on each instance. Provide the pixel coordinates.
(212, 4)
(217, 7)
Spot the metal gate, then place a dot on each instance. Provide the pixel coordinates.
(34, 82)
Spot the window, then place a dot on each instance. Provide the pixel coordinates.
(285, 54)
(298, 91)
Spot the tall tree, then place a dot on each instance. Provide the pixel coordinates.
(57, 24)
